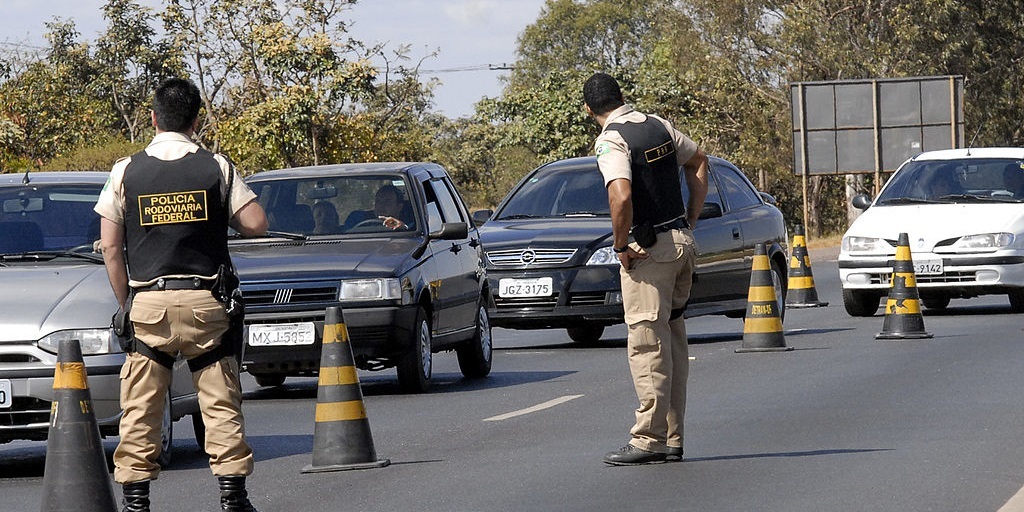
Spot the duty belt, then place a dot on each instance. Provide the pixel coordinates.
(189, 283)
(679, 223)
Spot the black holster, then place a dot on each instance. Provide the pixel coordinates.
(122, 325)
(225, 290)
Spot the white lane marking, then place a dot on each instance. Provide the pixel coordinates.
(539, 407)
(1016, 503)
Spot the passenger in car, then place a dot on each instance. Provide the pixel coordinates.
(943, 183)
(325, 219)
(388, 206)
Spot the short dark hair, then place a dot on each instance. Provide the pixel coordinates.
(602, 94)
(176, 104)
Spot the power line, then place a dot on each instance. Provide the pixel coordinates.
(477, 67)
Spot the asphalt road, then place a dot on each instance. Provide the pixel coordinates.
(844, 422)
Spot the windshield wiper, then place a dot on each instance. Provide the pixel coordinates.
(973, 197)
(50, 255)
(519, 216)
(907, 200)
(288, 235)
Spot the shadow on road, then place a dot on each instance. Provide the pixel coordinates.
(812, 453)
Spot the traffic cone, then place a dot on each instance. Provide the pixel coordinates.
(903, 317)
(75, 476)
(762, 326)
(801, 292)
(341, 436)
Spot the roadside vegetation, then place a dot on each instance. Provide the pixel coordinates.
(284, 84)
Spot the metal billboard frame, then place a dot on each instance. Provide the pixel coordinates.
(872, 125)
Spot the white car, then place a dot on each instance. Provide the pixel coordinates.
(963, 212)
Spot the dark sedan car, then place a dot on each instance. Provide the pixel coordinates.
(392, 244)
(550, 262)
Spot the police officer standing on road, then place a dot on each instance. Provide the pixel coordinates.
(165, 214)
(639, 156)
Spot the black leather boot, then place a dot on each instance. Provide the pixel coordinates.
(233, 496)
(136, 496)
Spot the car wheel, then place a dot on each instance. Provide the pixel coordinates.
(166, 434)
(269, 379)
(475, 355)
(1017, 301)
(586, 334)
(199, 429)
(779, 282)
(935, 302)
(860, 303)
(415, 367)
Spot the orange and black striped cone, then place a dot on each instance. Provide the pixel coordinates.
(75, 476)
(341, 436)
(802, 293)
(762, 326)
(903, 317)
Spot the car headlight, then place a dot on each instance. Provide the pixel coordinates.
(370, 289)
(93, 341)
(987, 241)
(865, 244)
(603, 256)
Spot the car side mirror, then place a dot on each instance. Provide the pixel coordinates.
(710, 211)
(861, 201)
(481, 216)
(768, 198)
(451, 231)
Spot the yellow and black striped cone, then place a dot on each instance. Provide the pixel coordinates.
(75, 476)
(341, 436)
(903, 317)
(762, 326)
(801, 293)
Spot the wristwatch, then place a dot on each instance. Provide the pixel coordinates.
(620, 250)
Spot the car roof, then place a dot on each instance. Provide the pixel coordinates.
(590, 161)
(962, 153)
(347, 169)
(50, 177)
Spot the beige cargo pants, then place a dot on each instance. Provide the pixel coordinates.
(656, 346)
(190, 322)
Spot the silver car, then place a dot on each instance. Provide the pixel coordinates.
(55, 287)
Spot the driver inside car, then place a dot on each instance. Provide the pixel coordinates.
(388, 207)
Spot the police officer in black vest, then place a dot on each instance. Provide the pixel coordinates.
(165, 214)
(639, 156)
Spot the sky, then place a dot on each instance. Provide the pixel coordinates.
(474, 34)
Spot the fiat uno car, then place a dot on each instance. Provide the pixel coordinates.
(391, 244)
(549, 258)
(55, 288)
(962, 211)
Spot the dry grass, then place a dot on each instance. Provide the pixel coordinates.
(824, 241)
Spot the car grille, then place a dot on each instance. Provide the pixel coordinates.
(546, 303)
(951, 277)
(290, 296)
(25, 411)
(521, 257)
(587, 299)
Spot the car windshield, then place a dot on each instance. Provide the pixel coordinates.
(956, 181)
(336, 205)
(567, 192)
(48, 217)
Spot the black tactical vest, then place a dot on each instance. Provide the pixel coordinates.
(176, 218)
(657, 194)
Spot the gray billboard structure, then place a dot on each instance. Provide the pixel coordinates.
(872, 125)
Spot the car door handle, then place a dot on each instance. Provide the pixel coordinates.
(735, 234)
(456, 248)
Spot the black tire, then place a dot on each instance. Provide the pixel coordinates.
(1017, 301)
(780, 281)
(166, 434)
(475, 355)
(414, 368)
(585, 334)
(860, 303)
(199, 429)
(269, 380)
(935, 302)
